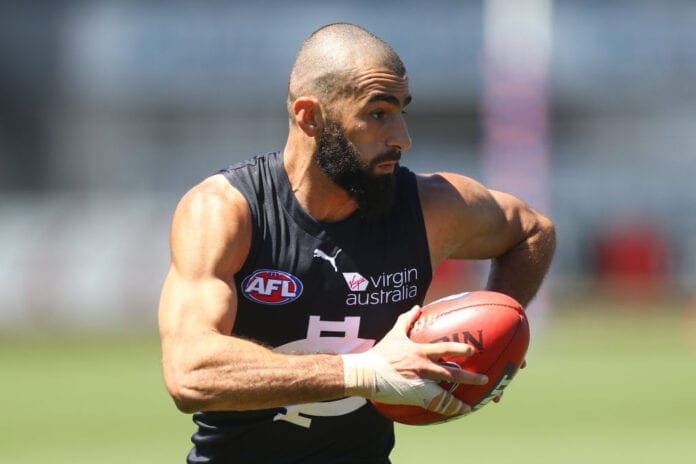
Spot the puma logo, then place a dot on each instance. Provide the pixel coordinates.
(331, 259)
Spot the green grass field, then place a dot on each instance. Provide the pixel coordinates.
(599, 388)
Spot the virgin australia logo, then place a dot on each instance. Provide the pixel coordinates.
(356, 282)
(385, 287)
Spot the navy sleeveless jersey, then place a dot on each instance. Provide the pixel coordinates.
(316, 287)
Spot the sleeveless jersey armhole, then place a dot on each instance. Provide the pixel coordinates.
(240, 181)
(414, 198)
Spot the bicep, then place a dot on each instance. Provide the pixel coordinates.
(189, 307)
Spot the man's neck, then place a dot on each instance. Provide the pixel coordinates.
(318, 195)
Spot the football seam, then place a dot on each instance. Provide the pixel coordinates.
(474, 305)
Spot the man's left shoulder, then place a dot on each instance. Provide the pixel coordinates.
(443, 187)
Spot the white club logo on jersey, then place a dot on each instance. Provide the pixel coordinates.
(331, 259)
(325, 337)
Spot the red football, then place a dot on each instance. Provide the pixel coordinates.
(494, 324)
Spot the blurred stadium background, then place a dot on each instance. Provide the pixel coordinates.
(110, 110)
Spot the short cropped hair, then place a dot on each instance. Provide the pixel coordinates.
(323, 63)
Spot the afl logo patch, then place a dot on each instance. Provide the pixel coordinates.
(267, 286)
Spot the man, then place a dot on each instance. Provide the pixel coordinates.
(285, 264)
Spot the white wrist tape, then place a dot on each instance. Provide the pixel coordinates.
(371, 376)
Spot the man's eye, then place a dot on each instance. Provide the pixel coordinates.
(379, 114)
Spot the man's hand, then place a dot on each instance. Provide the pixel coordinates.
(400, 371)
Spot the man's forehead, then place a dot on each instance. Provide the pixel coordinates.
(382, 85)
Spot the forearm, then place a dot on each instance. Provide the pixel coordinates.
(221, 373)
(520, 271)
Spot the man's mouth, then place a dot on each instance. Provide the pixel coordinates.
(386, 167)
(386, 162)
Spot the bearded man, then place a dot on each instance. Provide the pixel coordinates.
(296, 275)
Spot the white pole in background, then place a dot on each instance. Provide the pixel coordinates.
(517, 49)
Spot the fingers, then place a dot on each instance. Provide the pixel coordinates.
(451, 372)
(446, 404)
(443, 402)
(447, 349)
(454, 374)
(406, 320)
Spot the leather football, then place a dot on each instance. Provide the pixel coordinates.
(494, 324)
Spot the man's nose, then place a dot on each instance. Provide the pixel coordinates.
(399, 137)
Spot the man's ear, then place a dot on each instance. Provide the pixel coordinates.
(308, 115)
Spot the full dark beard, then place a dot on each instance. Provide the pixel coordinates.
(340, 161)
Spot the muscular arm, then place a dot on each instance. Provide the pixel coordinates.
(207, 369)
(204, 367)
(520, 270)
(464, 220)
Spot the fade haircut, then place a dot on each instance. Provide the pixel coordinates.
(324, 62)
